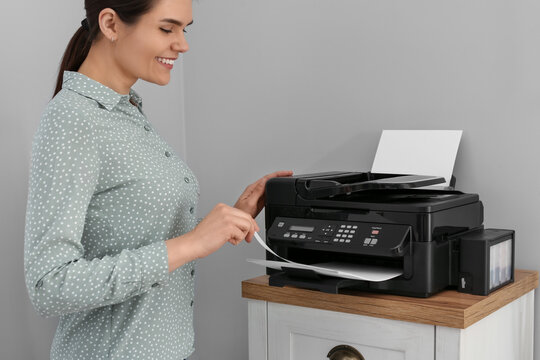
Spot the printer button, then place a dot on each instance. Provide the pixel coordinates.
(355, 227)
(343, 226)
(347, 241)
(294, 236)
(336, 240)
(367, 241)
(350, 236)
(373, 241)
(286, 235)
(347, 231)
(341, 240)
(352, 231)
(302, 236)
(349, 226)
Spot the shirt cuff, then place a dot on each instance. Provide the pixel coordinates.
(154, 266)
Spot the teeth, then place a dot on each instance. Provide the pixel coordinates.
(166, 61)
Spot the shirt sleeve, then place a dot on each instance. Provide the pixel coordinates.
(64, 173)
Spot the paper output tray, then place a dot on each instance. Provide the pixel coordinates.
(317, 187)
(309, 279)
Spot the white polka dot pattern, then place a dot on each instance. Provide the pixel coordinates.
(105, 192)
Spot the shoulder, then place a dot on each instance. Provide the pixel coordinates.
(67, 120)
(69, 111)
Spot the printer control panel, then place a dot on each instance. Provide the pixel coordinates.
(332, 235)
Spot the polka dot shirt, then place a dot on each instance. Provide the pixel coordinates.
(105, 192)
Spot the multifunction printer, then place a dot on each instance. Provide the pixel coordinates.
(433, 236)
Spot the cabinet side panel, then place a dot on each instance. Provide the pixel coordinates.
(505, 334)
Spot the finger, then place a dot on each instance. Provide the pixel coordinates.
(259, 186)
(251, 232)
(262, 181)
(237, 237)
(281, 173)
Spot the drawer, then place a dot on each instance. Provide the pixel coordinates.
(299, 333)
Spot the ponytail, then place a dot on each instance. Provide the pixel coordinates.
(75, 53)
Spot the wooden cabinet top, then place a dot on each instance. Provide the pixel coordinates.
(447, 308)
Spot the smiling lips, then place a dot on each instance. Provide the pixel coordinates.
(167, 62)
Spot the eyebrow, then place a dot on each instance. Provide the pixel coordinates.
(176, 22)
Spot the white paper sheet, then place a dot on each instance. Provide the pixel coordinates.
(336, 269)
(361, 271)
(418, 152)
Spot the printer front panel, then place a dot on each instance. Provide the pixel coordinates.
(372, 239)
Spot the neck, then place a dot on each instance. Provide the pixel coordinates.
(101, 66)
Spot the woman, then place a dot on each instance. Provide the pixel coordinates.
(111, 235)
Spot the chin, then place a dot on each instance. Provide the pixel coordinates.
(163, 81)
(158, 80)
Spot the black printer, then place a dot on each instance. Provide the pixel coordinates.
(434, 236)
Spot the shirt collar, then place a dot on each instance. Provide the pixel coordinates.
(95, 90)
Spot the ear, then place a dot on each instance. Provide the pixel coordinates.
(109, 23)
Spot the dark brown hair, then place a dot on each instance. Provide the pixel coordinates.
(129, 11)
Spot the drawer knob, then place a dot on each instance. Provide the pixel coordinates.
(344, 352)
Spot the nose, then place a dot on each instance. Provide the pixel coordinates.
(181, 45)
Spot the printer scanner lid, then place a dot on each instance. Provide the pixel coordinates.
(366, 191)
(322, 185)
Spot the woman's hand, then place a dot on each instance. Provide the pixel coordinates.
(223, 224)
(252, 199)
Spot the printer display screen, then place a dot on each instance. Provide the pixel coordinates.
(302, 228)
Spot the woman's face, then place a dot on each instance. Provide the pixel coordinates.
(157, 36)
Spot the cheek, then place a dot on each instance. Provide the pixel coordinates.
(139, 55)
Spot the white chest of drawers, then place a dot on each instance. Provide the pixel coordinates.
(298, 324)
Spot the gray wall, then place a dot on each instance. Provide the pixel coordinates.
(33, 44)
(304, 85)
(308, 85)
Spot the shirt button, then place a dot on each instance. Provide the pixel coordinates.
(167, 154)
(191, 210)
(191, 302)
(186, 179)
(192, 272)
(133, 102)
(155, 285)
(147, 127)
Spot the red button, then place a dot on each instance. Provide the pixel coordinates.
(375, 232)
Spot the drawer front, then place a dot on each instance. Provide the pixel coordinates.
(298, 333)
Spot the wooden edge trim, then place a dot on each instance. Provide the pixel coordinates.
(375, 307)
(394, 307)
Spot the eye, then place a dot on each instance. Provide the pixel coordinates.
(185, 31)
(165, 30)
